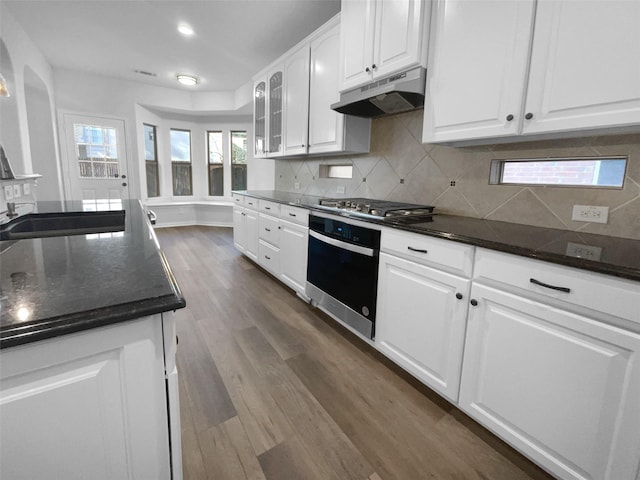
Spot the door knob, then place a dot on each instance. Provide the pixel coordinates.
(509, 117)
(529, 116)
(124, 176)
(124, 184)
(474, 302)
(459, 296)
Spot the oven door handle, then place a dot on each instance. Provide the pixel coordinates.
(369, 252)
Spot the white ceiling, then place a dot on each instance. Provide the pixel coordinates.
(233, 40)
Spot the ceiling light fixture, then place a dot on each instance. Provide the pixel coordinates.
(187, 79)
(185, 29)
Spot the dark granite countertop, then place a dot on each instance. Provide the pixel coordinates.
(597, 253)
(59, 285)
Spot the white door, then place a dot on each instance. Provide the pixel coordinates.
(296, 102)
(561, 387)
(477, 69)
(326, 126)
(398, 35)
(356, 42)
(585, 66)
(421, 321)
(293, 264)
(96, 161)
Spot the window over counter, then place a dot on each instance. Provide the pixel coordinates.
(585, 172)
(151, 160)
(181, 162)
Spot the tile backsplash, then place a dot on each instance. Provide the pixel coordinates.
(456, 179)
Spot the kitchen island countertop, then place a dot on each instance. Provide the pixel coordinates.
(615, 256)
(58, 285)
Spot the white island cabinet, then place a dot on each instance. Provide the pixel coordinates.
(498, 70)
(423, 289)
(92, 404)
(552, 365)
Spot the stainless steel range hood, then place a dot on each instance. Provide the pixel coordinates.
(396, 93)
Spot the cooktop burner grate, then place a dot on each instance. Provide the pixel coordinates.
(376, 208)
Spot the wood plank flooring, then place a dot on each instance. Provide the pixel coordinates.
(273, 389)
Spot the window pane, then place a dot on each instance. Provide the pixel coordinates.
(180, 146)
(96, 151)
(181, 162)
(577, 172)
(239, 160)
(151, 160)
(215, 163)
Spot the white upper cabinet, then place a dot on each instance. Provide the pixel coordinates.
(477, 69)
(296, 102)
(492, 74)
(296, 116)
(260, 118)
(380, 37)
(585, 66)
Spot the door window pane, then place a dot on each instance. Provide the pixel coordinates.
(96, 151)
(151, 160)
(181, 162)
(239, 160)
(215, 163)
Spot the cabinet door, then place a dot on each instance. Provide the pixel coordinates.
(293, 255)
(585, 66)
(421, 323)
(252, 231)
(274, 116)
(356, 42)
(296, 102)
(260, 119)
(562, 388)
(87, 405)
(477, 69)
(326, 126)
(239, 229)
(398, 35)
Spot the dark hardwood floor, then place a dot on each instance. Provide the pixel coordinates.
(273, 389)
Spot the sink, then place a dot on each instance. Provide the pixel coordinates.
(39, 225)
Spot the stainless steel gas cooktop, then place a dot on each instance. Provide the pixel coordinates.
(377, 209)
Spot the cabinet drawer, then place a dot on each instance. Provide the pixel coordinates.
(238, 199)
(272, 208)
(443, 254)
(294, 214)
(269, 229)
(269, 257)
(603, 293)
(251, 202)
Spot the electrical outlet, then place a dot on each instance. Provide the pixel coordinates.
(340, 189)
(26, 188)
(579, 250)
(17, 191)
(589, 213)
(296, 185)
(8, 192)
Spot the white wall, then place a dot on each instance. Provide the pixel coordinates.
(14, 129)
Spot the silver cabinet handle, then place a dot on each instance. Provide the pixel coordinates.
(369, 252)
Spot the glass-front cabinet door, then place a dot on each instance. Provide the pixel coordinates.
(260, 119)
(275, 113)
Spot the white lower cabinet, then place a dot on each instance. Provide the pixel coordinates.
(245, 231)
(421, 319)
(561, 387)
(88, 405)
(293, 265)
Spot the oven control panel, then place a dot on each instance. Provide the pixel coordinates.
(341, 230)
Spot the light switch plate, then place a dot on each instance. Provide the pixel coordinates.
(8, 192)
(341, 189)
(26, 188)
(296, 185)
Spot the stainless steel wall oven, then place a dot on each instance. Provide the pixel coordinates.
(342, 273)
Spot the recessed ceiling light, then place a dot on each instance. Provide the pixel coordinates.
(185, 29)
(187, 79)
